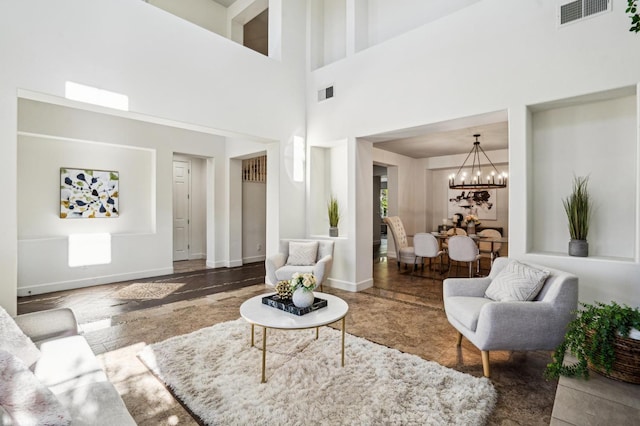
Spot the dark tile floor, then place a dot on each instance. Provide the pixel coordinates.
(401, 311)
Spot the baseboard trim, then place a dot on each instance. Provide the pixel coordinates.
(253, 259)
(216, 264)
(89, 282)
(197, 256)
(350, 286)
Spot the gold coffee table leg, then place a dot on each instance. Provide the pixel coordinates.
(264, 353)
(317, 332)
(343, 331)
(252, 332)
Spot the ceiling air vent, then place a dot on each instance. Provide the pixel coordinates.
(572, 11)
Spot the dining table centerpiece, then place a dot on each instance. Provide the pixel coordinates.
(472, 221)
(302, 286)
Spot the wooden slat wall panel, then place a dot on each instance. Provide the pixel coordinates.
(255, 169)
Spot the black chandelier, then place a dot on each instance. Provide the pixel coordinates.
(477, 179)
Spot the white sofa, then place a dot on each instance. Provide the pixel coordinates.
(67, 367)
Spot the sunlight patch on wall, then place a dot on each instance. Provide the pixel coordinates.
(93, 95)
(89, 249)
(298, 159)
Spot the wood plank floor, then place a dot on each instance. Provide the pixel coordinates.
(402, 311)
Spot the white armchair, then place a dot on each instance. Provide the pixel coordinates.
(281, 266)
(539, 324)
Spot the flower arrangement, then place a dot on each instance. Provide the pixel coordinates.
(471, 218)
(307, 282)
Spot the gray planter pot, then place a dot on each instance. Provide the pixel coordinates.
(333, 231)
(579, 248)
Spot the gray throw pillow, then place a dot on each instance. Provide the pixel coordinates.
(302, 253)
(516, 282)
(15, 341)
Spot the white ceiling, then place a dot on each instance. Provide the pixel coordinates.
(447, 138)
(225, 3)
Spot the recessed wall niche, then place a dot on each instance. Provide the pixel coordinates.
(328, 176)
(594, 136)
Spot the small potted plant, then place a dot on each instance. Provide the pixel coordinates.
(334, 216)
(600, 337)
(578, 207)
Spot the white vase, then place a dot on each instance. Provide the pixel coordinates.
(303, 298)
(471, 228)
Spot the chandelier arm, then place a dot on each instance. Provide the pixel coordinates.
(465, 161)
(476, 155)
(489, 160)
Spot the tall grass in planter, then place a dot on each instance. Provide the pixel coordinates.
(333, 211)
(578, 206)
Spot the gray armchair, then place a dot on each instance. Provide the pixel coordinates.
(539, 324)
(277, 268)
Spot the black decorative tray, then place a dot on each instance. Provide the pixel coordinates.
(287, 304)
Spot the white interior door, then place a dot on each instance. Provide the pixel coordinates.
(181, 211)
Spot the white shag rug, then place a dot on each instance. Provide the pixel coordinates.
(216, 373)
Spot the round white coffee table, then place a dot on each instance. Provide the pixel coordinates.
(257, 313)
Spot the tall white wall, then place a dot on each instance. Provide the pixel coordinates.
(490, 56)
(389, 19)
(171, 70)
(53, 136)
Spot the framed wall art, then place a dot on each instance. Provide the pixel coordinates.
(480, 202)
(88, 193)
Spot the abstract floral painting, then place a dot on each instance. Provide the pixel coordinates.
(480, 202)
(88, 193)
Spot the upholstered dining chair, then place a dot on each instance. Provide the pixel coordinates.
(303, 256)
(426, 245)
(487, 249)
(450, 232)
(463, 249)
(404, 252)
(456, 231)
(518, 307)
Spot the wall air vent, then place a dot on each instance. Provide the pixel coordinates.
(325, 93)
(572, 11)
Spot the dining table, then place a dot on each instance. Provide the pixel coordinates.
(442, 237)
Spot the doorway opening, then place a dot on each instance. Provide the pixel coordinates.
(189, 211)
(380, 211)
(254, 209)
